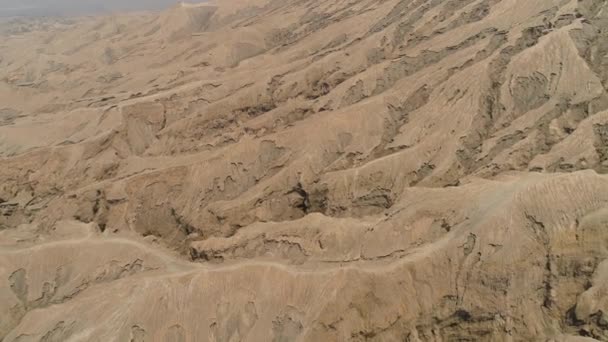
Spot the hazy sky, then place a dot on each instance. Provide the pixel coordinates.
(67, 7)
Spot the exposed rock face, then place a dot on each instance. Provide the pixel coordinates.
(261, 170)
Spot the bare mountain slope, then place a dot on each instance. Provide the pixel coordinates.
(417, 170)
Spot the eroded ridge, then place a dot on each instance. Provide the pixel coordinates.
(418, 170)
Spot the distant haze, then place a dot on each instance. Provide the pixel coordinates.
(71, 7)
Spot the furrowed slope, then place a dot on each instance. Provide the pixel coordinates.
(307, 170)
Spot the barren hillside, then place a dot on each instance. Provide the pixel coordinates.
(307, 170)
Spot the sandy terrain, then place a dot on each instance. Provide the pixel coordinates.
(281, 170)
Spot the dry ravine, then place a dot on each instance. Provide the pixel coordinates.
(307, 170)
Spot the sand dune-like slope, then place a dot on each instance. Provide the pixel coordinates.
(265, 170)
